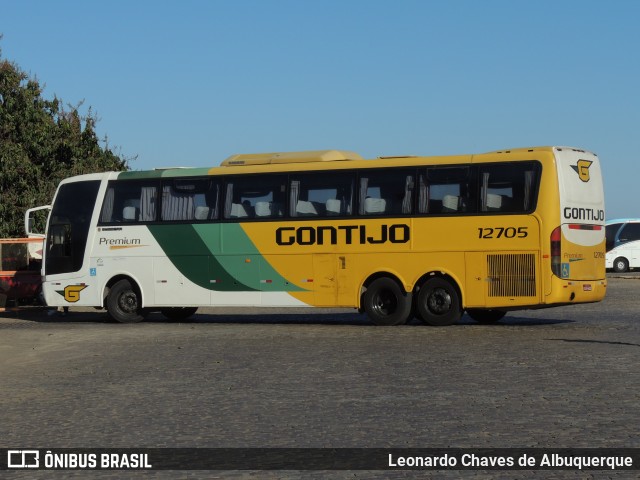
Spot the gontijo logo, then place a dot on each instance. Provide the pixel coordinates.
(71, 293)
(582, 169)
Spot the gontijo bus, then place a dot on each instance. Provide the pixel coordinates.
(394, 237)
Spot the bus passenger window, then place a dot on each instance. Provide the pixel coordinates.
(445, 190)
(255, 197)
(321, 194)
(189, 200)
(386, 192)
(129, 202)
(508, 187)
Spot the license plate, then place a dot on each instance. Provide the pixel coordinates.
(586, 287)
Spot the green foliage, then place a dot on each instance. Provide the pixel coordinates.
(40, 144)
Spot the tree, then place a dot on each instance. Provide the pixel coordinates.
(41, 143)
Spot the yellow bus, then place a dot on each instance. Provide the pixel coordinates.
(394, 237)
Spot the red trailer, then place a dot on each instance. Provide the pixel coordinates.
(20, 264)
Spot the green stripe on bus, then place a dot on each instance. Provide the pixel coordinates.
(238, 255)
(236, 265)
(176, 239)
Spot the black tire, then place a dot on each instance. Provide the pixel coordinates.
(386, 303)
(485, 315)
(620, 265)
(438, 303)
(123, 303)
(178, 313)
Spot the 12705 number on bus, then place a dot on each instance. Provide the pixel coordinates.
(502, 232)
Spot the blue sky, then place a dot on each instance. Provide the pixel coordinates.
(189, 83)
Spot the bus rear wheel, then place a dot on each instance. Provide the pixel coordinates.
(123, 303)
(620, 265)
(178, 313)
(386, 303)
(438, 303)
(485, 315)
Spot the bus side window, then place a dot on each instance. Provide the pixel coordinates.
(129, 202)
(508, 187)
(258, 197)
(189, 200)
(386, 192)
(321, 194)
(445, 190)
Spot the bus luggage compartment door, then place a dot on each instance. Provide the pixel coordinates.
(173, 287)
(325, 281)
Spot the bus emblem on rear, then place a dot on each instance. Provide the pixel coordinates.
(582, 169)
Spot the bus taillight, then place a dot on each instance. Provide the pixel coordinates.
(556, 252)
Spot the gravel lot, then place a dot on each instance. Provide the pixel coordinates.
(561, 377)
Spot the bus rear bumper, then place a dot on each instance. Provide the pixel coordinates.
(567, 292)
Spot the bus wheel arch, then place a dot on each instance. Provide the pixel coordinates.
(123, 300)
(438, 299)
(385, 301)
(620, 265)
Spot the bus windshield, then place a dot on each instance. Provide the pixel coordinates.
(69, 226)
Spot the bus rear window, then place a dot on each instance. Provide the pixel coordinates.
(508, 187)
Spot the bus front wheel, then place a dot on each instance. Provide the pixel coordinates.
(386, 303)
(123, 303)
(438, 303)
